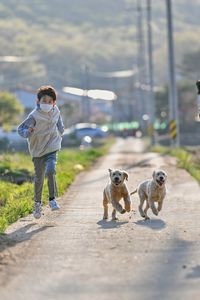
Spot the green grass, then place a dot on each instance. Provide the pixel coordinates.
(187, 159)
(17, 200)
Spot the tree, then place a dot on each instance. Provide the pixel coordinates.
(10, 109)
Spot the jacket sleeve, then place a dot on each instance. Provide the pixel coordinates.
(60, 125)
(29, 122)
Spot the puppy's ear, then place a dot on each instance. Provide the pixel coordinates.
(109, 170)
(154, 174)
(125, 175)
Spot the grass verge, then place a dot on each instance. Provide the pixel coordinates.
(17, 200)
(187, 159)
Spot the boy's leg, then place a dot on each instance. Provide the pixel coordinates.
(39, 167)
(51, 160)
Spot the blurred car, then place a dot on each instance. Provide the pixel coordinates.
(80, 130)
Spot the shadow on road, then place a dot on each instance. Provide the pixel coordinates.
(155, 224)
(164, 278)
(111, 224)
(144, 163)
(19, 236)
(195, 273)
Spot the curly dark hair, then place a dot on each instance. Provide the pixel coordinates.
(46, 90)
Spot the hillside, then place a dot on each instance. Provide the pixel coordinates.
(63, 36)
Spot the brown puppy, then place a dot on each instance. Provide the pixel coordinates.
(151, 191)
(114, 192)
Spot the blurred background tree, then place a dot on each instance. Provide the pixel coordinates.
(63, 35)
(10, 109)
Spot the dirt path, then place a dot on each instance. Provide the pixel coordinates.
(74, 254)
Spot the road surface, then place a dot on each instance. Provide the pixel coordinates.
(74, 254)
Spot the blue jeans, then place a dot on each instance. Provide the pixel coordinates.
(45, 165)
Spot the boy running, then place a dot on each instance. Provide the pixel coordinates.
(44, 128)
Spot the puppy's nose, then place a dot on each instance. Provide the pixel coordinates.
(116, 178)
(161, 178)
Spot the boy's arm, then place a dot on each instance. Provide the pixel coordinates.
(60, 125)
(26, 127)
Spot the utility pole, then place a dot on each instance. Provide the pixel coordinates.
(114, 103)
(173, 99)
(141, 62)
(85, 99)
(151, 100)
(114, 77)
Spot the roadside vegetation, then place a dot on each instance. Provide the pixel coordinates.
(16, 200)
(72, 31)
(188, 158)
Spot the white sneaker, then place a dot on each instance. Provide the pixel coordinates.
(54, 205)
(37, 210)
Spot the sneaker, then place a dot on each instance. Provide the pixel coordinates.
(53, 204)
(37, 210)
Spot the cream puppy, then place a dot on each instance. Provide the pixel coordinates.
(152, 191)
(114, 192)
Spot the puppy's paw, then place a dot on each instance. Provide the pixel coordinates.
(128, 209)
(147, 218)
(123, 211)
(154, 210)
(105, 217)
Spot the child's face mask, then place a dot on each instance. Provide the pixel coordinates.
(46, 107)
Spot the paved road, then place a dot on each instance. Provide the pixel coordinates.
(74, 254)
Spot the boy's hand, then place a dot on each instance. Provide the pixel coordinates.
(30, 130)
(198, 86)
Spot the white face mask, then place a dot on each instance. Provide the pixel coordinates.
(46, 107)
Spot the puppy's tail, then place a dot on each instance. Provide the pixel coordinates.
(133, 192)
